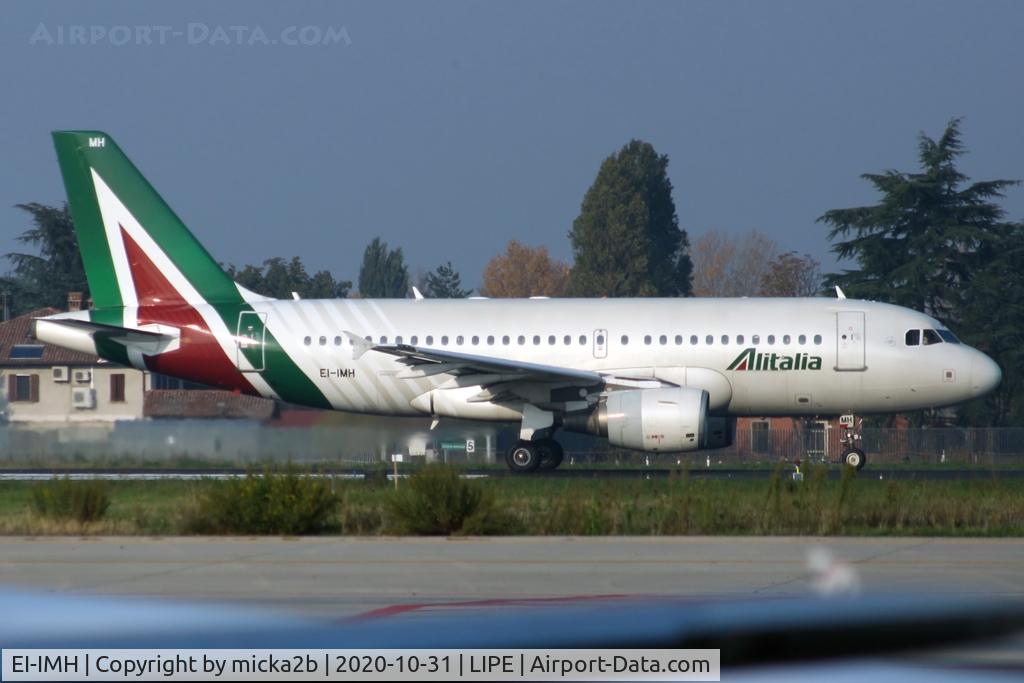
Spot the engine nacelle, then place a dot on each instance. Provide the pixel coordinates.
(656, 420)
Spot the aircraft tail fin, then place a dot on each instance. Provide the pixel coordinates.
(135, 249)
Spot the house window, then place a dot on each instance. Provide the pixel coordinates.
(27, 351)
(117, 388)
(23, 388)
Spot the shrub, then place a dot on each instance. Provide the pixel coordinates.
(85, 501)
(272, 502)
(436, 501)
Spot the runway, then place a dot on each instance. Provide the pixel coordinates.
(372, 577)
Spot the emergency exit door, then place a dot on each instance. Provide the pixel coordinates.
(850, 340)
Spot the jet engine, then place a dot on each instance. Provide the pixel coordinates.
(656, 420)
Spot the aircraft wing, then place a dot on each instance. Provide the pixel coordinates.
(489, 369)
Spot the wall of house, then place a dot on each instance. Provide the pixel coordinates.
(54, 399)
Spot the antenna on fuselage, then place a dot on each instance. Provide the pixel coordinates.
(416, 293)
(839, 293)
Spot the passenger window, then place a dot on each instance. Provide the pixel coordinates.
(567, 340)
(725, 339)
(624, 340)
(913, 337)
(444, 340)
(663, 340)
(817, 340)
(679, 340)
(323, 341)
(536, 340)
(490, 340)
(384, 340)
(337, 341)
(475, 340)
(430, 340)
(521, 340)
(756, 339)
(709, 340)
(583, 340)
(802, 339)
(398, 340)
(459, 339)
(739, 339)
(931, 337)
(309, 340)
(647, 339)
(771, 340)
(786, 339)
(551, 340)
(505, 340)
(414, 340)
(693, 340)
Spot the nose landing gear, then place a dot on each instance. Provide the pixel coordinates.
(849, 440)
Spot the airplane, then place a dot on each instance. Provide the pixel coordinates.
(661, 375)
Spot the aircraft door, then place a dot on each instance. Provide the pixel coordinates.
(600, 343)
(850, 340)
(252, 328)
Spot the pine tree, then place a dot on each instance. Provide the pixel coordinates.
(44, 279)
(922, 241)
(446, 283)
(626, 240)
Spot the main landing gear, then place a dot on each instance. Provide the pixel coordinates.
(529, 456)
(849, 440)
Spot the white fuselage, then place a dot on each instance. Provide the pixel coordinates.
(864, 363)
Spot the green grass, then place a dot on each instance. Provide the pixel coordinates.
(854, 506)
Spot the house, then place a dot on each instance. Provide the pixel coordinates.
(42, 383)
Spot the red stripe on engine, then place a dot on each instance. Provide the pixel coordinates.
(200, 357)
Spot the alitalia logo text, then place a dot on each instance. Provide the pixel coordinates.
(751, 359)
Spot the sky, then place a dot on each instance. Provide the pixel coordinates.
(448, 129)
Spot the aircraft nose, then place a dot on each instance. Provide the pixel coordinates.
(985, 374)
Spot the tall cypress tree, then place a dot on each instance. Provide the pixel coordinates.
(627, 240)
(383, 274)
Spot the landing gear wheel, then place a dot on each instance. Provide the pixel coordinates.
(855, 458)
(551, 453)
(523, 457)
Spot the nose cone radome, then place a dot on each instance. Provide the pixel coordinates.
(985, 374)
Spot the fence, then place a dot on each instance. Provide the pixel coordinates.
(240, 443)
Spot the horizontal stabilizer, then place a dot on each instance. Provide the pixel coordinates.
(82, 335)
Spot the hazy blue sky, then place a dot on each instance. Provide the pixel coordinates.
(449, 128)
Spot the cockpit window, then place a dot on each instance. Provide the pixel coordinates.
(948, 337)
(932, 337)
(913, 337)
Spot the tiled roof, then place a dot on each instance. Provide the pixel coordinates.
(19, 331)
(206, 403)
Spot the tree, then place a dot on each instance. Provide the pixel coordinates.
(446, 283)
(384, 274)
(728, 266)
(991, 318)
(791, 274)
(626, 240)
(45, 278)
(523, 271)
(920, 243)
(279, 278)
